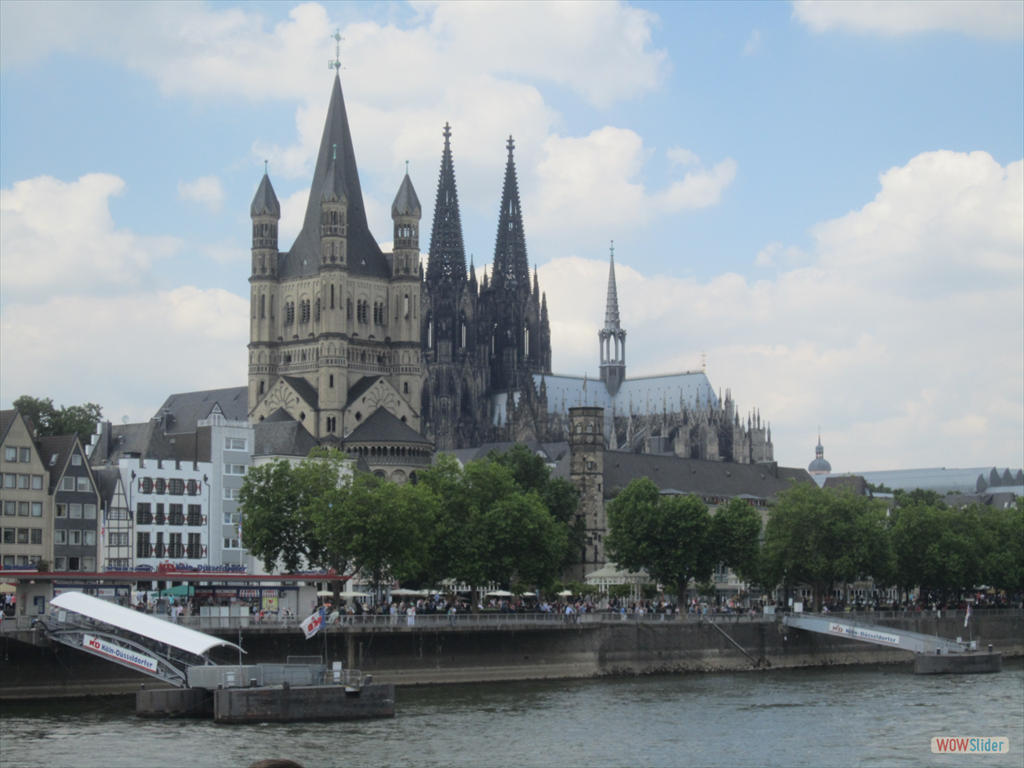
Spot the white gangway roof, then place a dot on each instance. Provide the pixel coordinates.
(139, 623)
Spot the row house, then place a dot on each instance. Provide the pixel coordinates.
(27, 535)
(170, 500)
(50, 500)
(75, 504)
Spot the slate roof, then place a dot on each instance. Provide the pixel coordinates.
(704, 478)
(364, 255)
(855, 483)
(265, 201)
(382, 426)
(358, 389)
(305, 390)
(6, 420)
(281, 435)
(406, 202)
(54, 451)
(189, 408)
(106, 483)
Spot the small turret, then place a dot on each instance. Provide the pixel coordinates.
(406, 213)
(265, 212)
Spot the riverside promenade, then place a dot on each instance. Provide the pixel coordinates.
(490, 647)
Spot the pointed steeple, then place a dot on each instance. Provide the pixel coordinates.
(406, 202)
(264, 203)
(611, 312)
(336, 158)
(612, 337)
(447, 251)
(511, 265)
(472, 271)
(544, 307)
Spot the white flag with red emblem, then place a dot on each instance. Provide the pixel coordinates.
(312, 625)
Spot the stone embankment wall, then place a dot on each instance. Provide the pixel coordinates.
(408, 656)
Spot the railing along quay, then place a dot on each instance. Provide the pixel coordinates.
(491, 620)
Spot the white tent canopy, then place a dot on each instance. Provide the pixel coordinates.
(130, 620)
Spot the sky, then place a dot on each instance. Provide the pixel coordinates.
(822, 202)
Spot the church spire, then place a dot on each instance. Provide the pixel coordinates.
(611, 312)
(613, 338)
(336, 168)
(447, 252)
(511, 266)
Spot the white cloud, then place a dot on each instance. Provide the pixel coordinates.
(593, 183)
(680, 156)
(59, 236)
(903, 336)
(475, 65)
(206, 190)
(976, 18)
(126, 352)
(753, 44)
(293, 209)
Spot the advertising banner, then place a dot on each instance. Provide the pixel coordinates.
(116, 652)
(873, 635)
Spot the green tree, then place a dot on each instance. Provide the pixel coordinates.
(487, 528)
(278, 502)
(1003, 543)
(522, 541)
(66, 420)
(531, 473)
(736, 533)
(380, 528)
(939, 549)
(820, 537)
(666, 536)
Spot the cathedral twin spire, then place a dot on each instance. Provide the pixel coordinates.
(511, 266)
(447, 253)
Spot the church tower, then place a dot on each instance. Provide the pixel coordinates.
(335, 321)
(586, 471)
(519, 340)
(453, 404)
(265, 213)
(613, 337)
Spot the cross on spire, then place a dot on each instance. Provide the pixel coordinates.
(336, 64)
(511, 145)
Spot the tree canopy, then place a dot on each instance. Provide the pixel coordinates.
(48, 419)
(496, 520)
(667, 536)
(819, 537)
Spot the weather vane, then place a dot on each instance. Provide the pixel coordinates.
(336, 64)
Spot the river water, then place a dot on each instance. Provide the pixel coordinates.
(880, 715)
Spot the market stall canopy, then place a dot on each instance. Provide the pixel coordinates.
(180, 637)
(409, 593)
(328, 593)
(500, 593)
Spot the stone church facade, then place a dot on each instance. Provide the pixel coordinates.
(335, 322)
(340, 329)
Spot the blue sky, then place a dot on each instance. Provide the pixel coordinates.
(823, 197)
